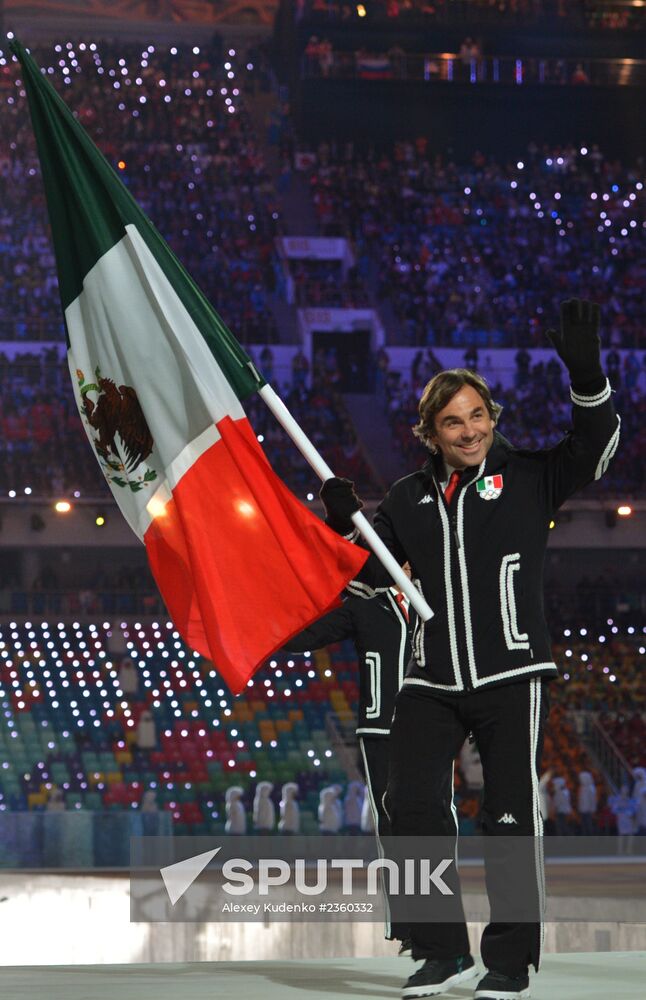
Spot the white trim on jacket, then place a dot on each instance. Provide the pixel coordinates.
(597, 399)
(514, 639)
(609, 451)
(546, 669)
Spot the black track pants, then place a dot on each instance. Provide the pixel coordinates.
(375, 753)
(428, 730)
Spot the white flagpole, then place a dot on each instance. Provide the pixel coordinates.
(323, 470)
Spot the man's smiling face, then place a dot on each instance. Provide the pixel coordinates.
(464, 429)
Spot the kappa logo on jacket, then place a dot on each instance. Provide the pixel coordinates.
(508, 818)
(489, 487)
(427, 499)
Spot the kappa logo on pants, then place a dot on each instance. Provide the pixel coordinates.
(508, 818)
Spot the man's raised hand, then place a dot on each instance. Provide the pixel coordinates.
(578, 343)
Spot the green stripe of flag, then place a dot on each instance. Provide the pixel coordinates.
(89, 208)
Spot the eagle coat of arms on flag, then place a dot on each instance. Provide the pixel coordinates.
(489, 487)
(118, 430)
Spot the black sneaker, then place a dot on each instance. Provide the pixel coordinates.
(405, 948)
(497, 986)
(437, 974)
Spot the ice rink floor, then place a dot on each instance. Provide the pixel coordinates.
(575, 976)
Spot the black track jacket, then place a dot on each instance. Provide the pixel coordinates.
(479, 562)
(382, 638)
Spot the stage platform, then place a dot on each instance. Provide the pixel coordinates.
(577, 976)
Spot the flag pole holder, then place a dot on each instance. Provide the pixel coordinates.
(323, 471)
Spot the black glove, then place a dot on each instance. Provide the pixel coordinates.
(340, 502)
(578, 344)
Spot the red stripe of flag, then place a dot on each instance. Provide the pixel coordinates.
(231, 530)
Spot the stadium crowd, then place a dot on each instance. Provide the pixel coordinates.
(465, 255)
(174, 124)
(469, 254)
(475, 254)
(321, 283)
(546, 13)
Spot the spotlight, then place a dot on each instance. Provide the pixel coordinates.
(62, 506)
(100, 520)
(624, 510)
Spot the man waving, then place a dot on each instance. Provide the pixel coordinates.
(474, 523)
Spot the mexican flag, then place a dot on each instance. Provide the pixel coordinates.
(158, 378)
(489, 487)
